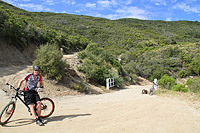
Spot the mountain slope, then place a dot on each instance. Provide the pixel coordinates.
(147, 48)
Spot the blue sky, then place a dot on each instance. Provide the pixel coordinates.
(167, 10)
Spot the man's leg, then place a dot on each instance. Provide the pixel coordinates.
(39, 107)
(31, 106)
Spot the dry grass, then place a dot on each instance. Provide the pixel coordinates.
(189, 97)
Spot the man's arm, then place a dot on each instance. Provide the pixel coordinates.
(20, 83)
(41, 83)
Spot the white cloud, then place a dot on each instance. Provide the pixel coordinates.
(125, 12)
(106, 3)
(69, 2)
(103, 3)
(90, 5)
(159, 2)
(169, 19)
(173, 1)
(50, 2)
(26, 0)
(63, 12)
(128, 2)
(109, 16)
(10, 1)
(114, 3)
(186, 8)
(35, 7)
(132, 12)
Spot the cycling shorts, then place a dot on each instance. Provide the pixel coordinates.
(31, 97)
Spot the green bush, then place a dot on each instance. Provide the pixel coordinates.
(196, 64)
(49, 58)
(189, 82)
(134, 78)
(194, 85)
(167, 82)
(180, 87)
(158, 73)
(94, 72)
(181, 74)
(82, 54)
(118, 81)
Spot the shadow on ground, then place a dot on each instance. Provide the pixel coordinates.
(62, 117)
(23, 122)
(19, 122)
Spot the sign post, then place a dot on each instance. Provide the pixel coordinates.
(110, 82)
(107, 83)
(155, 84)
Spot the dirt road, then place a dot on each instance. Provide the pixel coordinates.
(122, 111)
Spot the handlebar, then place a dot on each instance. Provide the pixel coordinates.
(10, 86)
(18, 92)
(39, 89)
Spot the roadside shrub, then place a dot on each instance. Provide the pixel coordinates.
(167, 82)
(158, 73)
(180, 87)
(134, 78)
(82, 54)
(94, 72)
(189, 82)
(49, 58)
(194, 85)
(182, 74)
(118, 81)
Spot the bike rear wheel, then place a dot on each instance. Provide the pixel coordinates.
(47, 107)
(7, 113)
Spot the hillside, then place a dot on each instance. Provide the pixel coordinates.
(124, 48)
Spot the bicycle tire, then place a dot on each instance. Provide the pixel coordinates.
(7, 112)
(48, 107)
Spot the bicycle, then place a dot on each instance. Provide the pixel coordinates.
(47, 106)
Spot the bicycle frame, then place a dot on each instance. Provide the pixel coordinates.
(17, 96)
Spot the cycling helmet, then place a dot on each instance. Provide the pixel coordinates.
(36, 67)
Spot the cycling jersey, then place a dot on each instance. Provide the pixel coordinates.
(31, 83)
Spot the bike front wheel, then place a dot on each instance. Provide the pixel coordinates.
(47, 107)
(7, 113)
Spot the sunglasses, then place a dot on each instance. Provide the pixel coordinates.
(37, 70)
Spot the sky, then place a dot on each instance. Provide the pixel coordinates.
(167, 10)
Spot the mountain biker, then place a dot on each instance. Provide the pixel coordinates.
(31, 96)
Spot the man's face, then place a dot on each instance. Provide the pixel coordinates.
(36, 71)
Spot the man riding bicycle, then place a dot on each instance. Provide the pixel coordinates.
(31, 96)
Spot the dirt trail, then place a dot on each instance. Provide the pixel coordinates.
(126, 110)
(122, 111)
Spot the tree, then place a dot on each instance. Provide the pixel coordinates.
(49, 58)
